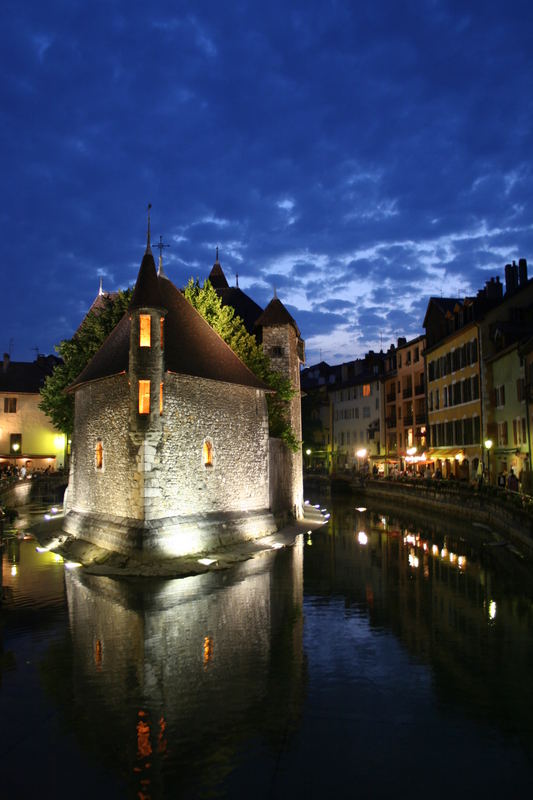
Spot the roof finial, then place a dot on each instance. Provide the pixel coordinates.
(100, 290)
(148, 248)
(160, 246)
(216, 257)
(275, 293)
(237, 279)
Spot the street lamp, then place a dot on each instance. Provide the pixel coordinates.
(308, 453)
(488, 445)
(361, 454)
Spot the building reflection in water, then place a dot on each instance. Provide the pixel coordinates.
(172, 678)
(455, 598)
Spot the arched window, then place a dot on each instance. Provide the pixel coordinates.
(99, 455)
(207, 453)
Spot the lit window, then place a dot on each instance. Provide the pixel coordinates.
(99, 455)
(162, 333)
(366, 390)
(144, 397)
(144, 327)
(207, 454)
(160, 398)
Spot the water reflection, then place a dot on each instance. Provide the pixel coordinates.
(171, 680)
(455, 600)
(379, 653)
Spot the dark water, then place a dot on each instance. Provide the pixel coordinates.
(377, 657)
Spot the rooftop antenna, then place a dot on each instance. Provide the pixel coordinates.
(148, 248)
(160, 247)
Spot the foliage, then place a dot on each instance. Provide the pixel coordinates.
(76, 354)
(231, 328)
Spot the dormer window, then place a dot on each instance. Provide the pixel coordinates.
(144, 330)
(144, 397)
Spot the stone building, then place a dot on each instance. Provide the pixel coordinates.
(171, 451)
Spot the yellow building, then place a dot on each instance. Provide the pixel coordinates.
(453, 394)
(27, 436)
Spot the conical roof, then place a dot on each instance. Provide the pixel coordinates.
(192, 347)
(276, 314)
(146, 293)
(217, 277)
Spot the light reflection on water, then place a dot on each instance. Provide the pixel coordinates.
(395, 661)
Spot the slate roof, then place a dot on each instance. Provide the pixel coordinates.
(245, 308)
(276, 314)
(191, 346)
(26, 377)
(146, 293)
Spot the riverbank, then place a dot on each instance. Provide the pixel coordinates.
(508, 515)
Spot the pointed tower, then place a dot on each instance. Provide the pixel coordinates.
(216, 276)
(285, 347)
(146, 372)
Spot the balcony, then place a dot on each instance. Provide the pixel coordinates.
(420, 389)
(391, 422)
(408, 421)
(407, 393)
(391, 397)
(420, 419)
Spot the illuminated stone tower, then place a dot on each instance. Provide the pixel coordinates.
(285, 347)
(146, 374)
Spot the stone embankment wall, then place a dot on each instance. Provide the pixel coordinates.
(498, 512)
(513, 523)
(48, 490)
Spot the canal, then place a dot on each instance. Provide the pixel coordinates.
(380, 655)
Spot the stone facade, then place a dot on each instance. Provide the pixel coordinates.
(159, 496)
(171, 453)
(285, 349)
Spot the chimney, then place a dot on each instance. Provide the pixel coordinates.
(6, 361)
(493, 289)
(511, 278)
(522, 271)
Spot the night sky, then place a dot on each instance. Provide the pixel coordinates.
(357, 156)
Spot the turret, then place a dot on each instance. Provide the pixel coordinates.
(285, 347)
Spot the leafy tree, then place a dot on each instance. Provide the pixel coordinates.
(231, 328)
(76, 354)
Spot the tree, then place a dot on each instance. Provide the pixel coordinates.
(231, 328)
(76, 354)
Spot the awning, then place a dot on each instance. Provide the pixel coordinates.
(444, 453)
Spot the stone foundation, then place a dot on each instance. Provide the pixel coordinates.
(170, 536)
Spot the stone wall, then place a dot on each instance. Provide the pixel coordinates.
(280, 342)
(102, 413)
(160, 496)
(233, 420)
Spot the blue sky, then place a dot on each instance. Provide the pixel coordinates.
(358, 156)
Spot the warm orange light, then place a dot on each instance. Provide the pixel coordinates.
(160, 398)
(144, 327)
(208, 650)
(162, 333)
(144, 747)
(207, 453)
(99, 455)
(366, 390)
(144, 397)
